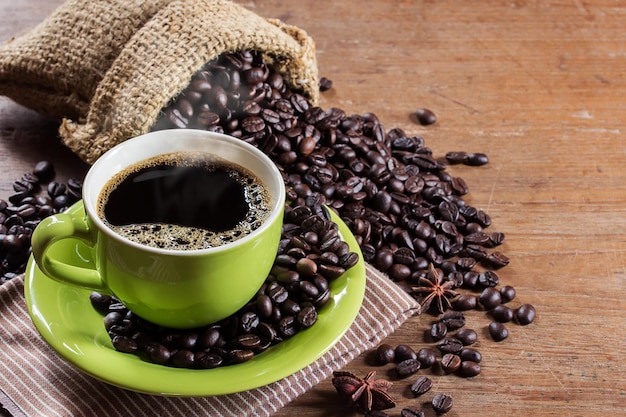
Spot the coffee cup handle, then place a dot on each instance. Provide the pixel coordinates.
(58, 227)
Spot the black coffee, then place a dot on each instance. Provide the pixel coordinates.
(184, 201)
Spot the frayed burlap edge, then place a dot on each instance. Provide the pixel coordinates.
(159, 60)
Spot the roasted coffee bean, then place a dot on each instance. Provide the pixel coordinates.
(498, 331)
(384, 260)
(266, 332)
(44, 170)
(498, 259)
(466, 336)
(496, 239)
(322, 299)
(183, 359)
(450, 363)
(253, 124)
(325, 84)
(411, 412)
(453, 320)
(60, 202)
(385, 354)
(308, 289)
(470, 279)
(427, 357)
(476, 159)
(329, 258)
(399, 272)
(331, 271)
(465, 302)
(441, 403)
(476, 238)
(502, 313)
(438, 331)
(290, 308)
(466, 263)
(407, 367)
(490, 298)
(525, 314)
(507, 293)
(422, 385)
(100, 302)
(21, 186)
(264, 305)
(11, 243)
(483, 218)
(240, 355)
(307, 317)
(403, 352)
(348, 260)
(26, 211)
(209, 361)
(112, 319)
(248, 341)
(476, 251)
(321, 283)
(209, 337)
(425, 117)
(456, 157)
(472, 355)
(248, 321)
(459, 187)
(488, 279)
(158, 353)
(299, 102)
(18, 197)
(450, 345)
(287, 326)
(124, 344)
(277, 293)
(469, 369)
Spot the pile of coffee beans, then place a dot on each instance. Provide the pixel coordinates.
(311, 255)
(403, 207)
(36, 196)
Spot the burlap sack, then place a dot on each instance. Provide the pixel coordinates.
(154, 65)
(56, 67)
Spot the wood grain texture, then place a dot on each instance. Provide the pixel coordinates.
(537, 85)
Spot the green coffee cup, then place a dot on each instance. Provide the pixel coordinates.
(169, 287)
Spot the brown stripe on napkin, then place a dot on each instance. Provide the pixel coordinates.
(36, 382)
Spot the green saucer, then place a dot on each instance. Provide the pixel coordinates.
(64, 317)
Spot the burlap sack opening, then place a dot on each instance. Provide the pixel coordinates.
(56, 67)
(154, 61)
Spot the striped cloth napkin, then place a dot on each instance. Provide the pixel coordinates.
(34, 381)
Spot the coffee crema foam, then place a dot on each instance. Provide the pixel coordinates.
(184, 237)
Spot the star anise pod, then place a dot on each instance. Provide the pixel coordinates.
(436, 288)
(366, 394)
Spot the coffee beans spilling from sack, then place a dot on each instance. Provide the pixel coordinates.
(107, 68)
(405, 210)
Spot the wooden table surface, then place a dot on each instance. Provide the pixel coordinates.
(537, 85)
